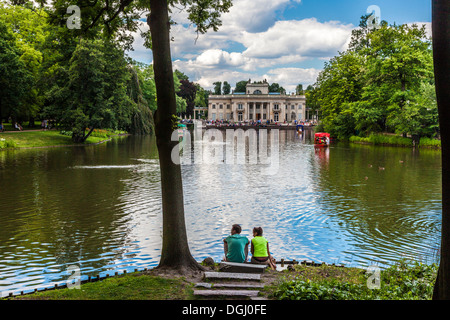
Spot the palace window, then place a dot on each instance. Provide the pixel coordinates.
(257, 92)
(275, 117)
(240, 116)
(240, 106)
(213, 106)
(221, 106)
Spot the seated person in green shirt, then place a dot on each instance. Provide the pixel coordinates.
(236, 246)
(260, 249)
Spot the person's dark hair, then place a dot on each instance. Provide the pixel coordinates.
(258, 231)
(236, 228)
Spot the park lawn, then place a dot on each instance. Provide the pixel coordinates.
(30, 139)
(127, 287)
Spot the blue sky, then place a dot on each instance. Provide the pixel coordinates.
(283, 41)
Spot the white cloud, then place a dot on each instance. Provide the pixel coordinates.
(251, 43)
(289, 78)
(308, 38)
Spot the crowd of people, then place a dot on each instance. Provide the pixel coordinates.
(257, 123)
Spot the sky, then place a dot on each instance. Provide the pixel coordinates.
(282, 41)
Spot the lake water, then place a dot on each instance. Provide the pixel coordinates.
(99, 207)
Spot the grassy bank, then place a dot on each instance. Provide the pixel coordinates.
(402, 281)
(136, 286)
(392, 140)
(33, 139)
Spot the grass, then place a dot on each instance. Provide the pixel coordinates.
(380, 139)
(127, 287)
(32, 139)
(430, 143)
(404, 280)
(392, 140)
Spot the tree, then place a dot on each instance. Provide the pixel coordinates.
(441, 53)
(187, 90)
(226, 88)
(175, 252)
(29, 29)
(142, 116)
(275, 87)
(95, 92)
(217, 87)
(299, 89)
(15, 79)
(378, 84)
(241, 86)
(147, 84)
(116, 16)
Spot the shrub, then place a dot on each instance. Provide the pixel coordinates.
(380, 139)
(7, 143)
(429, 143)
(402, 281)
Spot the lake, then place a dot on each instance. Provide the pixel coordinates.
(99, 207)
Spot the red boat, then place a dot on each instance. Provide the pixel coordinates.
(321, 139)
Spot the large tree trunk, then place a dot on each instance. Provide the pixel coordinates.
(441, 54)
(175, 252)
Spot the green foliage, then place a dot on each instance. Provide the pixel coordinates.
(429, 143)
(382, 83)
(380, 139)
(402, 281)
(95, 92)
(7, 144)
(15, 80)
(29, 30)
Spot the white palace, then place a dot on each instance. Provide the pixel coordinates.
(257, 103)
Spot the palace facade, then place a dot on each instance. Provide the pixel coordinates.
(257, 103)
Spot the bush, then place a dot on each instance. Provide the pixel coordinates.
(430, 143)
(380, 139)
(402, 281)
(66, 133)
(7, 143)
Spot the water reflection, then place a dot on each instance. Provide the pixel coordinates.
(99, 207)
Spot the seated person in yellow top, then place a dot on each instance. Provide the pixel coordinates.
(260, 249)
(236, 246)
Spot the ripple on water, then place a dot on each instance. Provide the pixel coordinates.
(100, 208)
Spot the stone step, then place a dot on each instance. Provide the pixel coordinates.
(241, 267)
(228, 285)
(226, 293)
(233, 275)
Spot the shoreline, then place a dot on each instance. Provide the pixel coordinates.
(58, 145)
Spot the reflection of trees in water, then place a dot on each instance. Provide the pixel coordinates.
(58, 213)
(388, 199)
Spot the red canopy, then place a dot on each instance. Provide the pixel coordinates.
(322, 134)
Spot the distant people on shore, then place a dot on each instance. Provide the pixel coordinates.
(236, 246)
(17, 126)
(260, 249)
(2, 128)
(44, 125)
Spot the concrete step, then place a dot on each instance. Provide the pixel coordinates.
(228, 285)
(233, 275)
(241, 267)
(226, 293)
